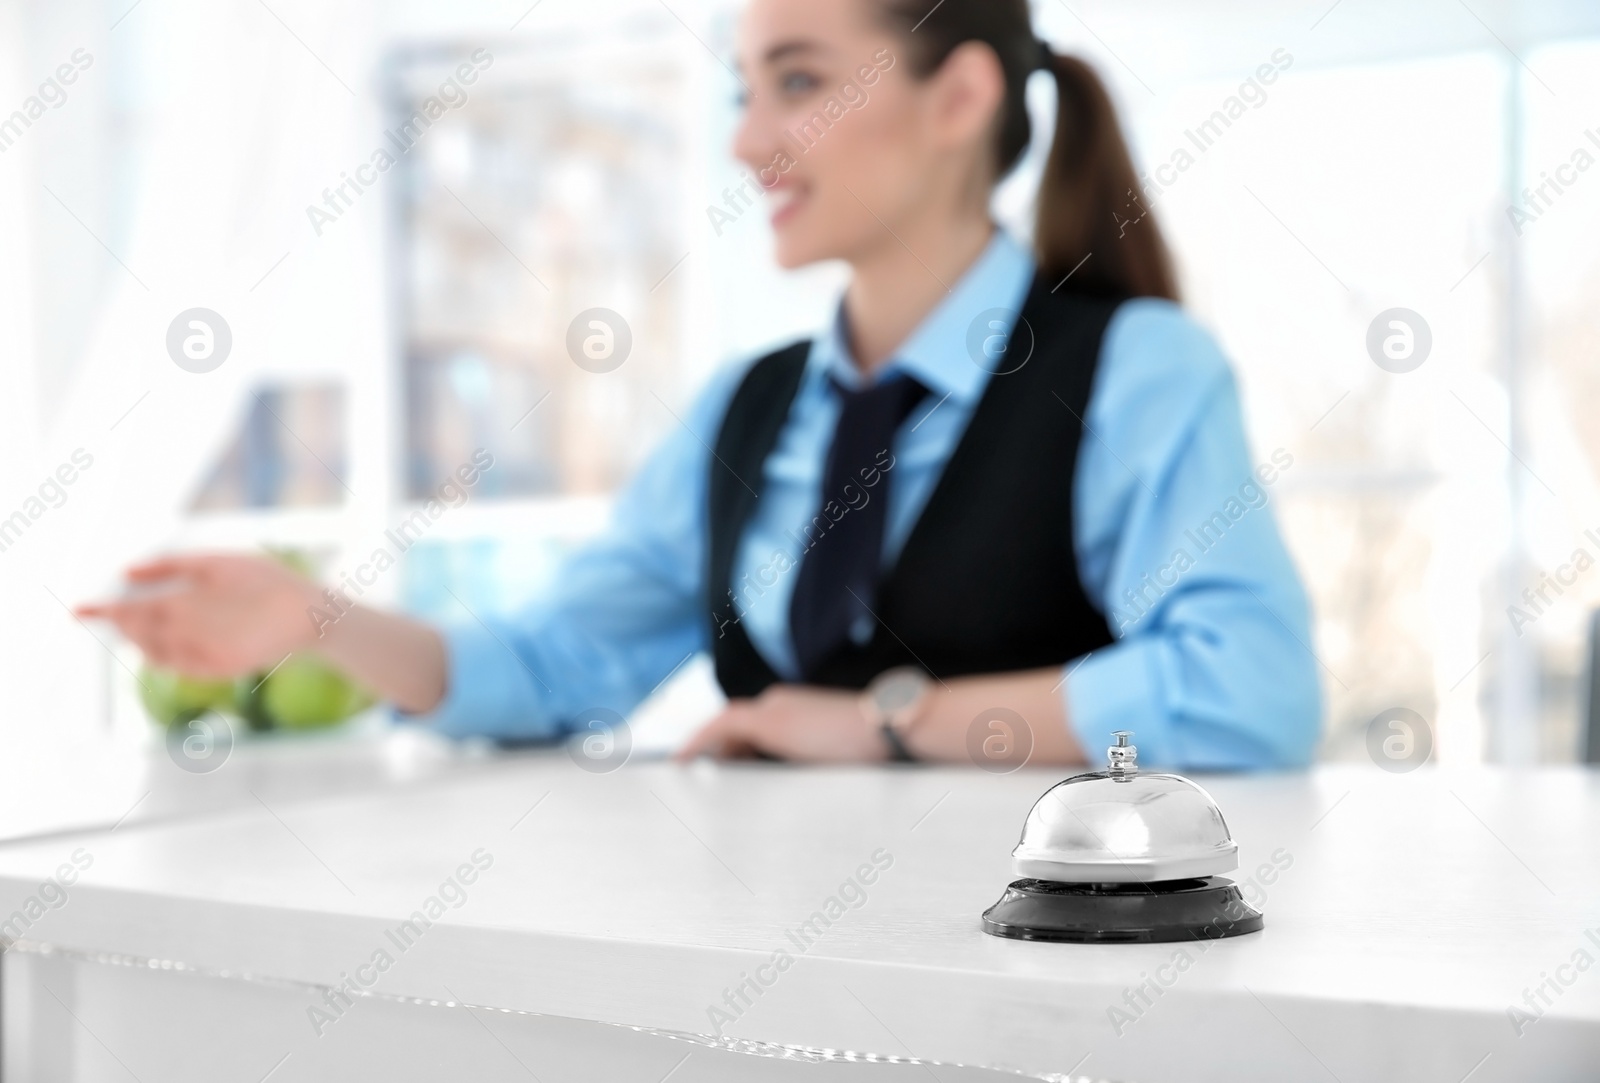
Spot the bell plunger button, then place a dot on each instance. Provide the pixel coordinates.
(1124, 757)
(1116, 856)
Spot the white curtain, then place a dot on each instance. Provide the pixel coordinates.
(241, 116)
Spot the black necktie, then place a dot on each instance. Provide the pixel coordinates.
(838, 580)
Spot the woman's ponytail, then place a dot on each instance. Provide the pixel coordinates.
(1092, 223)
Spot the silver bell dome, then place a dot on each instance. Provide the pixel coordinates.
(1118, 826)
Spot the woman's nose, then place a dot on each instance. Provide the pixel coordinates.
(752, 139)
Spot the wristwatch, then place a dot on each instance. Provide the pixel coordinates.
(893, 702)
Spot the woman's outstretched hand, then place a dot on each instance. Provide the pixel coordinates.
(223, 615)
(214, 615)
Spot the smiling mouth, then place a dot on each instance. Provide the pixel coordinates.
(784, 202)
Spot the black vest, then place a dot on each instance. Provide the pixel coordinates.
(987, 581)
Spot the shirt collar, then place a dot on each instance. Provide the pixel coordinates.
(936, 352)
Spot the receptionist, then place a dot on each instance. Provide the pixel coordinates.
(1009, 475)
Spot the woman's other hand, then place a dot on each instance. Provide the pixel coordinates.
(214, 615)
(792, 722)
(805, 724)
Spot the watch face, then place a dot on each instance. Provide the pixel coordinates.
(898, 689)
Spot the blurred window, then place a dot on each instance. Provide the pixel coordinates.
(554, 188)
(289, 452)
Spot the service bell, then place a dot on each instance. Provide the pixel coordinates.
(1114, 856)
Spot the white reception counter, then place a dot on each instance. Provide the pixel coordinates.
(527, 919)
(50, 789)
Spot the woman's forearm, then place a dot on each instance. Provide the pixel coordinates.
(396, 658)
(975, 720)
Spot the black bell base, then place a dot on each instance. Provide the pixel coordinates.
(1208, 908)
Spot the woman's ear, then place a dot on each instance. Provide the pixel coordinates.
(966, 94)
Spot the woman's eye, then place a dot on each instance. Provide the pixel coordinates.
(797, 83)
(794, 84)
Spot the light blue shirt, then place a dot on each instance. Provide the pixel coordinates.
(1174, 539)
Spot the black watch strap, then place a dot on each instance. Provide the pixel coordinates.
(898, 752)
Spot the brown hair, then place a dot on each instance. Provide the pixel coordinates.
(1089, 188)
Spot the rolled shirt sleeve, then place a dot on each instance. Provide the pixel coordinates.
(1178, 545)
(623, 612)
